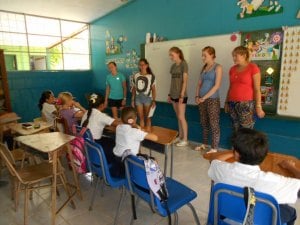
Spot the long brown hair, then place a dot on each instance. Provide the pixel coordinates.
(177, 51)
(211, 51)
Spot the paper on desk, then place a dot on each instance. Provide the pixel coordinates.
(151, 112)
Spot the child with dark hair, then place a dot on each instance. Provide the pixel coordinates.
(47, 106)
(250, 149)
(96, 120)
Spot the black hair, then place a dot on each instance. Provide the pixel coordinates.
(95, 100)
(251, 145)
(149, 70)
(128, 113)
(112, 62)
(45, 96)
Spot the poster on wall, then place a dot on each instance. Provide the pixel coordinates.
(254, 8)
(264, 45)
(114, 44)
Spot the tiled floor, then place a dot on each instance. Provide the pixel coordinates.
(189, 168)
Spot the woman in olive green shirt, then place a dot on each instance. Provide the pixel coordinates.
(178, 95)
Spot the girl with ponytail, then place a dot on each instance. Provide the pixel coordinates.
(95, 120)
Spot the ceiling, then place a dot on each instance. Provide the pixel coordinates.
(77, 10)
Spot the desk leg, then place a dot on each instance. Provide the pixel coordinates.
(54, 184)
(74, 171)
(172, 158)
(166, 160)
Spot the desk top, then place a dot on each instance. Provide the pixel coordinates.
(45, 142)
(20, 130)
(270, 164)
(7, 120)
(165, 136)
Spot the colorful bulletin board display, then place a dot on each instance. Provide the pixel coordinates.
(114, 45)
(289, 92)
(255, 8)
(265, 47)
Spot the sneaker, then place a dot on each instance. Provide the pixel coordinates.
(182, 143)
(178, 139)
(212, 151)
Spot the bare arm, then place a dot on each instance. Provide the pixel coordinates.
(107, 91)
(124, 92)
(151, 137)
(257, 95)
(219, 73)
(291, 167)
(225, 156)
(184, 84)
(199, 85)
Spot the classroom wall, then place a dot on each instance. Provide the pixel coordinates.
(27, 86)
(177, 19)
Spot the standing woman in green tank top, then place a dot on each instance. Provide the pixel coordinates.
(178, 92)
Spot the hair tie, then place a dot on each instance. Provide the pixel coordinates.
(93, 98)
(130, 121)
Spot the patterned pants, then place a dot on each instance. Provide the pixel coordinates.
(242, 114)
(210, 120)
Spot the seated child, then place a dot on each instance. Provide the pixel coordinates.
(129, 137)
(96, 120)
(250, 149)
(47, 106)
(70, 110)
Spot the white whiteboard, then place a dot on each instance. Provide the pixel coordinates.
(288, 102)
(158, 56)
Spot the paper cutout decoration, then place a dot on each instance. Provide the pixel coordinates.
(256, 8)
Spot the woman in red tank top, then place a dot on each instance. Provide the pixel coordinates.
(244, 96)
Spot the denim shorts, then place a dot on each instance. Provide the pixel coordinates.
(142, 99)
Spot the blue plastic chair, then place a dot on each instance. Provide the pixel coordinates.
(179, 194)
(87, 134)
(100, 168)
(227, 206)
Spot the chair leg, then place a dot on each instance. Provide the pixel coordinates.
(136, 204)
(102, 187)
(175, 218)
(26, 198)
(17, 193)
(94, 194)
(67, 189)
(194, 213)
(119, 205)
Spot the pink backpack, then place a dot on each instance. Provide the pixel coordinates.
(78, 151)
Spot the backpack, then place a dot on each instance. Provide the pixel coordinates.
(156, 181)
(78, 151)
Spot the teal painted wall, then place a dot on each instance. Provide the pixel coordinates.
(26, 88)
(177, 19)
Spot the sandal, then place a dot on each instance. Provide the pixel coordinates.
(212, 151)
(200, 148)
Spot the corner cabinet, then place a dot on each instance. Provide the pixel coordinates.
(5, 105)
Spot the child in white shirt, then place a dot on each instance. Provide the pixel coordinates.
(95, 120)
(128, 137)
(47, 106)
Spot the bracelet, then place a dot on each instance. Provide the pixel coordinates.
(258, 106)
(124, 98)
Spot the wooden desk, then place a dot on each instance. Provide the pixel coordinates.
(17, 128)
(51, 143)
(166, 138)
(270, 164)
(7, 120)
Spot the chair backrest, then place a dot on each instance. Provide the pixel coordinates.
(227, 206)
(99, 164)
(138, 184)
(9, 160)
